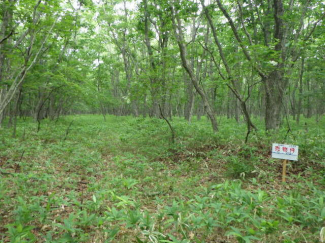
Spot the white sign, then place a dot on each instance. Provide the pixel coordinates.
(284, 151)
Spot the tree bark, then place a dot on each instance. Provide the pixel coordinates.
(274, 86)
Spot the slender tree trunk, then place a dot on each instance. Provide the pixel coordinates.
(188, 108)
(5, 32)
(308, 105)
(236, 109)
(2, 114)
(299, 108)
(17, 103)
(41, 100)
(180, 40)
(293, 101)
(52, 108)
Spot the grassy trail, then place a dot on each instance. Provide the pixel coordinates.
(123, 181)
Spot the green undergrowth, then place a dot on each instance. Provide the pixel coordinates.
(83, 179)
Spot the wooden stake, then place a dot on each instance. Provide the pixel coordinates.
(284, 168)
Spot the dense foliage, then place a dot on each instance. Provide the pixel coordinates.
(256, 58)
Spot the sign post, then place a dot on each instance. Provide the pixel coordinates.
(285, 152)
(284, 168)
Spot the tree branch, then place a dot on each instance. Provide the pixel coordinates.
(6, 37)
(22, 74)
(235, 32)
(234, 29)
(242, 22)
(170, 126)
(314, 27)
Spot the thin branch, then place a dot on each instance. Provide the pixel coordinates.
(170, 126)
(67, 131)
(314, 27)
(5, 38)
(249, 89)
(214, 61)
(242, 22)
(234, 29)
(235, 32)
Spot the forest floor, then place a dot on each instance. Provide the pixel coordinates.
(83, 179)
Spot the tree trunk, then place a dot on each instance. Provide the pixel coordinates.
(309, 107)
(293, 101)
(16, 113)
(182, 48)
(299, 108)
(5, 32)
(188, 108)
(274, 90)
(2, 114)
(237, 110)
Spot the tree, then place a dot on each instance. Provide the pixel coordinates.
(31, 42)
(183, 53)
(279, 37)
(233, 85)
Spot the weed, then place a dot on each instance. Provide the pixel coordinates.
(239, 168)
(122, 181)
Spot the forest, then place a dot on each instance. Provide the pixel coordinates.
(153, 121)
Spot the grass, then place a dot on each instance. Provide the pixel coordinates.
(123, 181)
